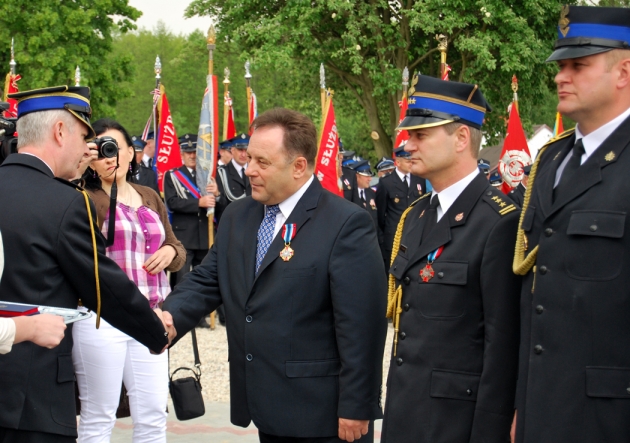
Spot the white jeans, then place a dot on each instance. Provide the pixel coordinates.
(103, 359)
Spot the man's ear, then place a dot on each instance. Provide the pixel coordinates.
(300, 166)
(623, 79)
(462, 138)
(60, 132)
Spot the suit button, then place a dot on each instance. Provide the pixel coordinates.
(249, 357)
(538, 349)
(593, 228)
(539, 309)
(628, 390)
(543, 270)
(440, 275)
(407, 280)
(548, 232)
(399, 361)
(402, 335)
(489, 194)
(248, 319)
(406, 307)
(469, 391)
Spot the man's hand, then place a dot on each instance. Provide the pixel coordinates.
(45, 330)
(160, 260)
(351, 430)
(207, 201)
(167, 321)
(212, 188)
(513, 429)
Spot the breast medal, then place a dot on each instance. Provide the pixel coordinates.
(288, 233)
(427, 272)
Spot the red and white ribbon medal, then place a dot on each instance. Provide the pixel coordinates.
(288, 233)
(427, 272)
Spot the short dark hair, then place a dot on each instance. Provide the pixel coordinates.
(92, 181)
(300, 135)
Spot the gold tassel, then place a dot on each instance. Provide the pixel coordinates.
(7, 84)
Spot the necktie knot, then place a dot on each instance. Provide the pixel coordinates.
(435, 202)
(578, 149)
(272, 210)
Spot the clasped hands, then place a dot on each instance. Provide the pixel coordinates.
(169, 327)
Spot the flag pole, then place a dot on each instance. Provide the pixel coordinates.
(322, 86)
(226, 98)
(248, 78)
(515, 89)
(442, 47)
(211, 46)
(157, 68)
(12, 63)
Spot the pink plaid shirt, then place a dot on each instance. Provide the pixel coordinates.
(139, 233)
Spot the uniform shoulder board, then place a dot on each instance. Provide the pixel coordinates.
(76, 184)
(422, 197)
(497, 200)
(560, 136)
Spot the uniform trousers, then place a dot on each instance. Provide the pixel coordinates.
(105, 358)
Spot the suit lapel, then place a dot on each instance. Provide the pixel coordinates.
(457, 215)
(299, 216)
(544, 182)
(250, 241)
(235, 175)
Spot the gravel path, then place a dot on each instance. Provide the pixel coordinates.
(213, 353)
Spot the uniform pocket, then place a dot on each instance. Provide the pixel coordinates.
(595, 250)
(446, 302)
(608, 382)
(456, 385)
(313, 368)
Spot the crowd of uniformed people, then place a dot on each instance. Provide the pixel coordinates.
(510, 312)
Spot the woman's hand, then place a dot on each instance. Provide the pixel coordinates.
(87, 159)
(212, 188)
(160, 260)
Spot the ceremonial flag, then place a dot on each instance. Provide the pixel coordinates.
(231, 126)
(515, 154)
(167, 155)
(253, 110)
(402, 135)
(11, 87)
(328, 150)
(208, 135)
(557, 127)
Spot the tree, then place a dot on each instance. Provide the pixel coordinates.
(52, 37)
(367, 43)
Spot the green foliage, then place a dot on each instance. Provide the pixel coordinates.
(365, 45)
(52, 37)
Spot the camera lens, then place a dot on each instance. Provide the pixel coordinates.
(107, 147)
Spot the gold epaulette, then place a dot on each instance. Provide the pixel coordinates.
(497, 201)
(394, 295)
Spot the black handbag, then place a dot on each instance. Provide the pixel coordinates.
(186, 392)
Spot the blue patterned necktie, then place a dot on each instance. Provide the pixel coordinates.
(265, 233)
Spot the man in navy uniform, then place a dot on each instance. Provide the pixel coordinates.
(366, 196)
(395, 193)
(232, 181)
(225, 153)
(453, 296)
(306, 340)
(348, 175)
(385, 167)
(144, 176)
(50, 238)
(573, 246)
(149, 151)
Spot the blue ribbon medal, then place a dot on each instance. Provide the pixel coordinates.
(288, 233)
(427, 272)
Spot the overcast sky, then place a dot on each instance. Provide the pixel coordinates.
(170, 12)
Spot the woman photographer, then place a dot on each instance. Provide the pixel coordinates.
(143, 246)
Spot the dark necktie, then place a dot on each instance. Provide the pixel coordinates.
(431, 217)
(362, 195)
(406, 184)
(245, 178)
(193, 174)
(570, 169)
(150, 163)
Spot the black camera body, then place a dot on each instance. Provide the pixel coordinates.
(107, 147)
(8, 139)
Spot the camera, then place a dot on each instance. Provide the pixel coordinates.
(107, 147)
(8, 139)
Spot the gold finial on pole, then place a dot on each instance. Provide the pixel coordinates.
(77, 76)
(212, 38)
(157, 68)
(248, 78)
(515, 90)
(442, 47)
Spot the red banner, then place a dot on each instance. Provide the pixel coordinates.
(328, 151)
(167, 155)
(10, 87)
(231, 126)
(515, 152)
(402, 136)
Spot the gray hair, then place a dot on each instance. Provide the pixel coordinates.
(34, 128)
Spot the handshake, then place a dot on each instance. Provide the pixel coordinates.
(169, 327)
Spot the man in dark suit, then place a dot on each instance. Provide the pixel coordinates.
(395, 193)
(232, 181)
(517, 195)
(144, 176)
(453, 296)
(573, 245)
(50, 235)
(306, 341)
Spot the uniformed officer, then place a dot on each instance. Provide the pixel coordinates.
(395, 193)
(452, 293)
(574, 246)
(385, 166)
(225, 153)
(366, 196)
(149, 151)
(348, 175)
(189, 208)
(484, 166)
(52, 247)
(231, 179)
(144, 176)
(518, 194)
(495, 179)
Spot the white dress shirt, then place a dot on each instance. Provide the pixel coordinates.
(448, 196)
(145, 160)
(287, 206)
(592, 141)
(402, 177)
(240, 169)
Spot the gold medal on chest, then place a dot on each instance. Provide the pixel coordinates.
(286, 253)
